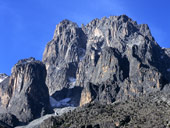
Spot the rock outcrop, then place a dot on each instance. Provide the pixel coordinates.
(145, 112)
(62, 54)
(4, 92)
(26, 94)
(115, 55)
(9, 119)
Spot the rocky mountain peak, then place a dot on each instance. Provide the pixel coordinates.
(63, 53)
(25, 61)
(115, 30)
(108, 53)
(64, 27)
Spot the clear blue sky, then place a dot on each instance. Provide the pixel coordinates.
(27, 25)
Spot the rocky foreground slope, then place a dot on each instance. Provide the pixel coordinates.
(108, 60)
(151, 111)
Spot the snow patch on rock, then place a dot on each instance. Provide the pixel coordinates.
(72, 79)
(59, 104)
(2, 77)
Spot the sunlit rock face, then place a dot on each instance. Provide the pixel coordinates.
(4, 97)
(117, 57)
(62, 54)
(27, 95)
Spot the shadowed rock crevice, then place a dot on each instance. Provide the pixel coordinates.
(124, 68)
(71, 71)
(73, 94)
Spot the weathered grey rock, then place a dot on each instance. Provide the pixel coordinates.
(4, 92)
(3, 125)
(4, 97)
(9, 119)
(104, 93)
(123, 53)
(27, 91)
(116, 55)
(167, 51)
(62, 55)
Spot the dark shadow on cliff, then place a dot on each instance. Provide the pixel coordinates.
(73, 93)
(161, 61)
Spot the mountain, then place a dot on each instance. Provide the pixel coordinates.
(93, 67)
(62, 54)
(110, 58)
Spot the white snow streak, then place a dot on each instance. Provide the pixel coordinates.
(61, 103)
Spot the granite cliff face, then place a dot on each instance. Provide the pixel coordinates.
(118, 58)
(62, 54)
(4, 97)
(28, 90)
(26, 94)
